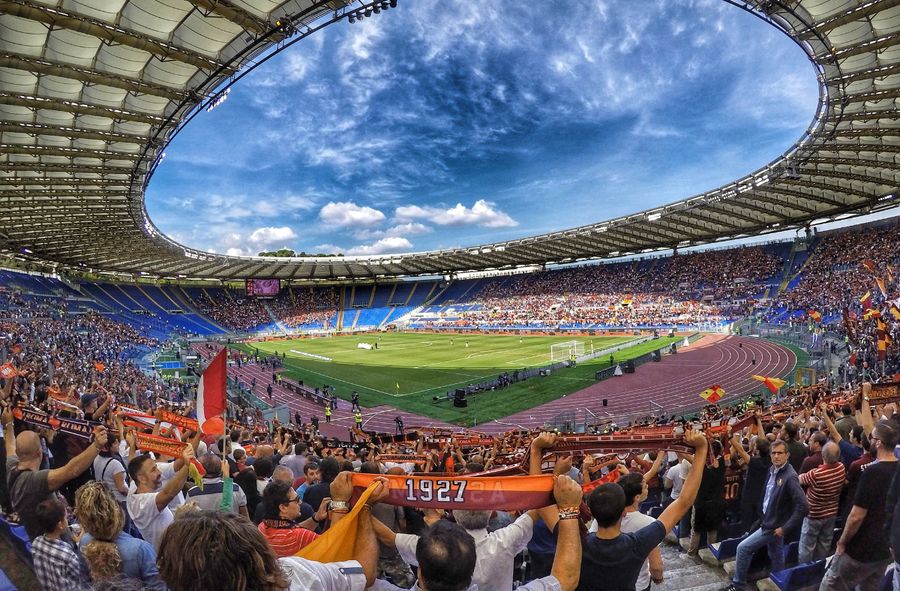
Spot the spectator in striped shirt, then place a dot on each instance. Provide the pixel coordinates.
(281, 526)
(823, 491)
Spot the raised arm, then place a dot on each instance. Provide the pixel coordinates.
(865, 412)
(835, 434)
(174, 485)
(543, 441)
(674, 512)
(738, 448)
(567, 560)
(9, 434)
(366, 550)
(57, 477)
(654, 469)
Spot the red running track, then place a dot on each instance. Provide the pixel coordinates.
(674, 383)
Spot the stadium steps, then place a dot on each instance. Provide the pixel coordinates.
(186, 301)
(152, 300)
(393, 291)
(430, 297)
(355, 318)
(410, 294)
(166, 295)
(681, 572)
(275, 319)
(112, 297)
(122, 290)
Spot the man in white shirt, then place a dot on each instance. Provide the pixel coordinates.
(448, 551)
(148, 508)
(495, 551)
(635, 493)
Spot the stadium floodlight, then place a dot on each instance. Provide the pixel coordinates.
(393, 3)
(351, 18)
(377, 9)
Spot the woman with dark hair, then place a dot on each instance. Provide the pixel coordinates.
(214, 550)
(110, 552)
(246, 479)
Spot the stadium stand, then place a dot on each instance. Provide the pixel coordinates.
(90, 98)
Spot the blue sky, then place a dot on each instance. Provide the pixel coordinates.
(444, 124)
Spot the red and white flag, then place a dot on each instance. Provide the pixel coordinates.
(211, 396)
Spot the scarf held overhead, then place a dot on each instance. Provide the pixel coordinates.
(510, 493)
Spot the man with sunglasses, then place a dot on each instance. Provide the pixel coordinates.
(281, 526)
(783, 508)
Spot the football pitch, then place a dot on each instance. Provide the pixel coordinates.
(408, 370)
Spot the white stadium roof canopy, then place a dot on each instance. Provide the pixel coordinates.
(91, 91)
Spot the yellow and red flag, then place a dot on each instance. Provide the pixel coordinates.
(773, 384)
(817, 316)
(869, 264)
(713, 394)
(99, 366)
(627, 300)
(884, 340)
(871, 313)
(881, 286)
(866, 300)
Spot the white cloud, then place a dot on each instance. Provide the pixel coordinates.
(482, 213)
(408, 229)
(269, 235)
(390, 244)
(347, 213)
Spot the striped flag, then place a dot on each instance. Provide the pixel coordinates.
(773, 384)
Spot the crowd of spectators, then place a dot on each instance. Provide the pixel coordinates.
(693, 288)
(140, 520)
(834, 277)
(292, 307)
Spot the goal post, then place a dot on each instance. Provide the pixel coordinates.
(566, 351)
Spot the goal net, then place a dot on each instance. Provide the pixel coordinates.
(566, 351)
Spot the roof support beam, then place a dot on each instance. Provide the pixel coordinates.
(78, 108)
(811, 198)
(106, 169)
(837, 174)
(869, 45)
(66, 152)
(37, 129)
(45, 67)
(854, 14)
(717, 208)
(11, 185)
(72, 21)
(233, 13)
(759, 194)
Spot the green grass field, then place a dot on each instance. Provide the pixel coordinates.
(409, 369)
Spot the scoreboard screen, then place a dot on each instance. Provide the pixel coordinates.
(263, 288)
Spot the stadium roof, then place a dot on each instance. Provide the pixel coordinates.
(91, 91)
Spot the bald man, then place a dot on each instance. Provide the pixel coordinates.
(823, 490)
(28, 485)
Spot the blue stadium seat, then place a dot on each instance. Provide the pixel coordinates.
(726, 549)
(646, 506)
(791, 553)
(5, 583)
(808, 574)
(887, 582)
